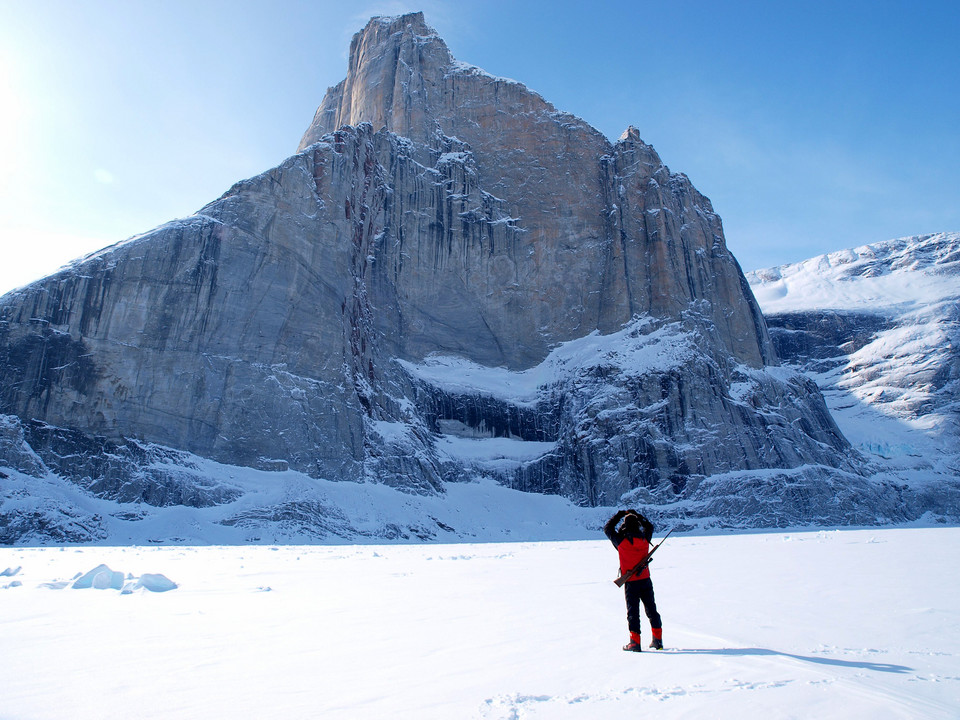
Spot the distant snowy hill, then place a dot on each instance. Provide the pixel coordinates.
(878, 328)
(883, 278)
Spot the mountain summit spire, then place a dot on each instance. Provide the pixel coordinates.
(394, 77)
(556, 175)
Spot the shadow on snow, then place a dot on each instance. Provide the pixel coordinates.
(858, 664)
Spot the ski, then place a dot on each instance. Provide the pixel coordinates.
(638, 568)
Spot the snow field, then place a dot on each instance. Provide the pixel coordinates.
(830, 624)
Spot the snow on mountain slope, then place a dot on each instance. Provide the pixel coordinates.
(878, 329)
(286, 507)
(772, 625)
(887, 277)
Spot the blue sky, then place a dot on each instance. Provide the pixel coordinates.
(812, 126)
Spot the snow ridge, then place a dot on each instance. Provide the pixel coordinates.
(638, 348)
(885, 276)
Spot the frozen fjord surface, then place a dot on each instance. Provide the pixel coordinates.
(848, 624)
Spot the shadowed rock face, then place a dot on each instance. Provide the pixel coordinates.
(823, 337)
(432, 211)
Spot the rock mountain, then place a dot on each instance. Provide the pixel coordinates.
(450, 280)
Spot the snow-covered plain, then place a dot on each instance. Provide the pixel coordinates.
(826, 624)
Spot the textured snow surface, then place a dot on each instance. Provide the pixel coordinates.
(830, 624)
(289, 507)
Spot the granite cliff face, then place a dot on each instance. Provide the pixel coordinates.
(450, 280)
(607, 231)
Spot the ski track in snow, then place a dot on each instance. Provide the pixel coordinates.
(829, 624)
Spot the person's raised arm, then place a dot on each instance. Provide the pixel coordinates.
(610, 529)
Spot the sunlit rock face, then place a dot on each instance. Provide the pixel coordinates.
(607, 231)
(595, 337)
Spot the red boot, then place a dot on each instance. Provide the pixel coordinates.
(657, 642)
(634, 644)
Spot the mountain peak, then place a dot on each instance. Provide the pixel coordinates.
(384, 33)
(391, 23)
(394, 79)
(880, 277)
(451, 261)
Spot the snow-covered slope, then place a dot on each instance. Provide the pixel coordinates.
(259, 507)
(886, 277)
(829, 625)
(878, 329)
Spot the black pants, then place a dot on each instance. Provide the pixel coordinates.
(636, 592)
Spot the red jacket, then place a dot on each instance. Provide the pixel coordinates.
(632, 551)
(630, 547)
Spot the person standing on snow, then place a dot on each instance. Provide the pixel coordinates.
(632, 541)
